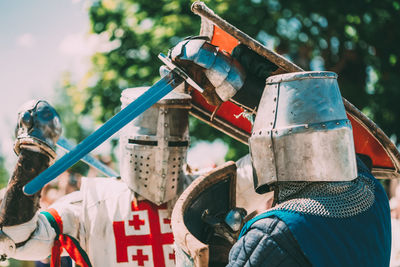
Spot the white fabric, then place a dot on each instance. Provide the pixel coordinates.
(92, 214)
(89, 215)
(20, 233)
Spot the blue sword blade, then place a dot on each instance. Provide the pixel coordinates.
(67, 146)
(146, 100)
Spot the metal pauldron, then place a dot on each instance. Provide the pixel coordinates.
(38, 128)
(222, 70)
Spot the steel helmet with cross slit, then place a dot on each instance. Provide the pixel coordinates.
(153, 146)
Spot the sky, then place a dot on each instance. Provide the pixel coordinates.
(39, 40)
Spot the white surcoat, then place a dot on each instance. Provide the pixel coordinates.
(111, 225)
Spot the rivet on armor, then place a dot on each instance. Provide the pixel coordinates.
(166, 125)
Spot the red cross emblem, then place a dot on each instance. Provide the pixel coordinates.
(156, 239)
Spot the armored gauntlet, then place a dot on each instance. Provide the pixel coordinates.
(220, 75)
(37, 131)
(38, 128)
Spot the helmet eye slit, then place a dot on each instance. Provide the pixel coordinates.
(178, 143)
(143, 142)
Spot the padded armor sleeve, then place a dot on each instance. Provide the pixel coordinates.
(268, 242)
(41, 239)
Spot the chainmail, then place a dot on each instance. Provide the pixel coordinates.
(327, 199)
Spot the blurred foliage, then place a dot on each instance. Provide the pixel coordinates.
(69, 105)
(356, 39)
(4, 176)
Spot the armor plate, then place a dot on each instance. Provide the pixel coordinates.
(153, 146)
(224, 73)
(195, 238)
(301, 132)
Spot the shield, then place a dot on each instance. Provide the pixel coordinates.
(232, 117)
(205, 201)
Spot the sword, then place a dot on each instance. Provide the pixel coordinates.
(161, 88)
(67, 146)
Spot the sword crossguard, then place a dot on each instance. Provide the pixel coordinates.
(173, 67)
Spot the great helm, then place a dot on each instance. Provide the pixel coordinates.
(301, 132)
(153, 146)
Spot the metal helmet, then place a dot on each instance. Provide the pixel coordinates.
(301, 131)
(153, 146)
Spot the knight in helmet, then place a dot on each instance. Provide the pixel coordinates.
(120, 221)
(328, 208)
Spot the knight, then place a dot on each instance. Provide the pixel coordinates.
(119, 221)
(328, 208)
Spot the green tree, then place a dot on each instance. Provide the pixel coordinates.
(356, 39)
(69, 104)
(3, 173)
